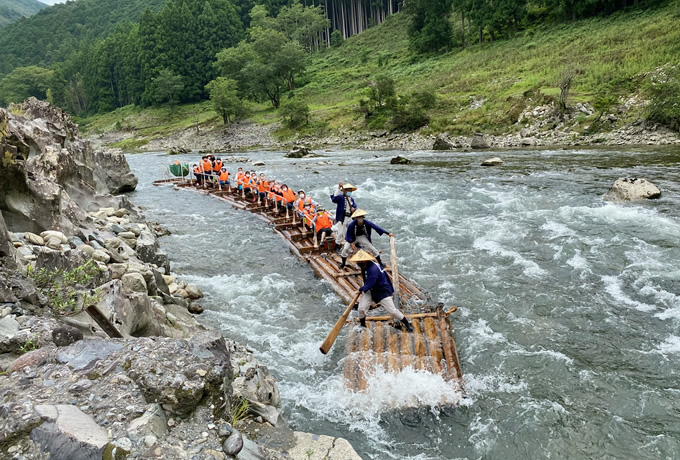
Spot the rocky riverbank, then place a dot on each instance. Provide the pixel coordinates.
(101, 354)
(540, 126)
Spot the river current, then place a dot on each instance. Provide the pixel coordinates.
(568, 321)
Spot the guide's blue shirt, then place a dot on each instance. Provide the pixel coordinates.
(351, 235)
(340, 201)
(377, 282)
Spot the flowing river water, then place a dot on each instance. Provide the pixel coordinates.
(568, 326)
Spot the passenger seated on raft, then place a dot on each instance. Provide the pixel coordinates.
(288, 197)
(322, 224)
(301, 202)
(245, 185)
(198, 172)
(239, 179)
(262, 187)
(224, 177)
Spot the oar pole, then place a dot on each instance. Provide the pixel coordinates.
(330, 340)
(395, 270)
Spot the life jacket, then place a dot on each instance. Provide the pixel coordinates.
(323, 221)
(197, 171)
(217, 166)
(207, 166)
(262, 186)
(289, 196)
(239, 178)
(277, 194)
(224, 176)
(246, 181)
(302, 203)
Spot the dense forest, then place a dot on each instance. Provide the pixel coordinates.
(11, 10)
(92, 56)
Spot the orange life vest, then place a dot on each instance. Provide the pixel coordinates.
(207, 166)
(262, 186)
(323, 221)
(302, 203)
(197, 170)
(289, 196)
(246, 181)
(224, 176)
(218, 165)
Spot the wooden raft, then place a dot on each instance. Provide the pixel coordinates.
(430, 348)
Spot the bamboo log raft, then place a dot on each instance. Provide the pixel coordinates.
(430, 348)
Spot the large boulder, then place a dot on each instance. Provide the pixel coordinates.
(399, 160)
(6, 246)
(50, 175)
(479, 141)
(630, 188)
(68, 433)
(300, 151)
(495, 161)
(442, 143)
(149, 251)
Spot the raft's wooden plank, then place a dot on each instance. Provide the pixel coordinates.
(379, 345)
(420, 347)
(365, 370)
(350, 366)
(433, 344)
(393, 358)
(446, 344)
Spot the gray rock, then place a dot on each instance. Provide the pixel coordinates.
(269, 413)
(47, 235)
(112, 244)
(630, 189)
(148, 251)
(134, 282)
(117, 270)
(30, 359)
(195, 309)
(89, 250)
(65, 335)
(527, 142)
(193, 292)
(53, 243)
(34, 239)
(67, 433)
(9, 327)
(442, 143)
(492, 162)
(233, 444)
(258, 163)
(151, 423)
(252, 451)
(161, 284)
(127, 235)
(316, 447)
(115, 228)
(300, 151)
(83, 354)
(95, 237)
(479, 141)
(100, 256)
(399, 160)
(74, 241)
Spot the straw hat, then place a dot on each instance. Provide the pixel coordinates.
(349, 188)
(361, 256)
(359, 213)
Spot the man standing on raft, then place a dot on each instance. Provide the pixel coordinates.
(359, 233)
(345, 208)
(377, 288)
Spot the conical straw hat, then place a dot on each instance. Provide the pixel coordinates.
(361, 256)
(359, 213)
(349, 187)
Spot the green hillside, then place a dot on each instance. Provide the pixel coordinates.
(12, 10)
(56, 33)
(482, 88)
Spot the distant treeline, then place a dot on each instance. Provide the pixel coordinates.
(93, 56)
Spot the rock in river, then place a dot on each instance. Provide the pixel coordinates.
(492, 162)
(630, 188)
(400, 161)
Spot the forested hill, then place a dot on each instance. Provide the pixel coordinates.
(11, 10)
(56, 33)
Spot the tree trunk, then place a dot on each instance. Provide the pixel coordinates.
(462, 29)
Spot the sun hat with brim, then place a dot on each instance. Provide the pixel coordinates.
(359, 213)
(349, 188)
(361, 256)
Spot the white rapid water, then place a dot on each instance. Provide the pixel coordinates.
(568, 325)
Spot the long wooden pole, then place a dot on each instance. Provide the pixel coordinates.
(395, 271)
(330, 340)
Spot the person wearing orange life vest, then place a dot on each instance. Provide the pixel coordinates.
(302, 202)
(198, 172)
(322, 224)
(217, 166)
(262, 187)
(207, 167)
(246, 182)
(288, 197)
(224, 177)
(239, 179)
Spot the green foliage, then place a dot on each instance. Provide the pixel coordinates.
(239, 410)
(64, 288)
(402, 113)
(263, 65)
(295, 113)
(336, 38)
(664, 107)
(24, 82)
(11, 10)
(167, 87)
(430, 29)
(30, 344)
(224, 98)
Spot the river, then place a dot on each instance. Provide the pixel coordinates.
(568, 326)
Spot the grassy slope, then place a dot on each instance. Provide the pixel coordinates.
(11, 10)
(612, 55)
